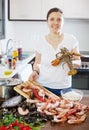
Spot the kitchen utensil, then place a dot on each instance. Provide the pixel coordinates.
(6, 87)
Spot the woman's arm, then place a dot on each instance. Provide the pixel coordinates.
(36, 71)
(37, 61)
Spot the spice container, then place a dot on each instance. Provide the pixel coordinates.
(20, 53)
(9, 63)
(15, 54)
(14, 63)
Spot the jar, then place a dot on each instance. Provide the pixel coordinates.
(20, 53)
(9, 63)
(15, 54)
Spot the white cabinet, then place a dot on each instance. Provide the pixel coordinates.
(24, 9)
(37, 9)
(48, 4)
(76, 8)
(71, 8)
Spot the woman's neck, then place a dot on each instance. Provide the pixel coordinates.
(54, 39)
(55, 35)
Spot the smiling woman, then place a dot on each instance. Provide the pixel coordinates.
(54, 78)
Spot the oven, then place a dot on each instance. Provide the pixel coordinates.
(81, 79)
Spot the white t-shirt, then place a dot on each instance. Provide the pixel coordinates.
(55, 77)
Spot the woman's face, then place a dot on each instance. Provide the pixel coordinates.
(55, 20)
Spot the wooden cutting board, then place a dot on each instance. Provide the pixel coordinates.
(27, 95)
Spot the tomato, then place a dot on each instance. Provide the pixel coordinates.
(2, 128)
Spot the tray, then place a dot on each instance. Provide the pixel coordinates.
(27, 95)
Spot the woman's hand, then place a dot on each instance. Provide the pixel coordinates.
(33, 76)
(76, 58)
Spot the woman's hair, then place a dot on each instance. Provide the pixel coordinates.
(53, 10)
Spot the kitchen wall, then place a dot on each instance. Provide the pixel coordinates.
(28, 32)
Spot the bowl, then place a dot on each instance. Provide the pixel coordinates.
(72, 94)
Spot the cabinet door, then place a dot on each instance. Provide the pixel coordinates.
(48, 4)
(24, 9)
(76, 8)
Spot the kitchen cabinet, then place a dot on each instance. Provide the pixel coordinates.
(36, 10)
(76, 9)
(24, 9)
(71, 8)
(48, 4)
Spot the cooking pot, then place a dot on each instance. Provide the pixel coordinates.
(6, 88)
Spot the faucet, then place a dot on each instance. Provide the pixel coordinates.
(9, 46)
(4, 56)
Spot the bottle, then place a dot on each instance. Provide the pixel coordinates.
(15, 51)
(14, 64)
(20, 52)
(10, 63)
(14, 55)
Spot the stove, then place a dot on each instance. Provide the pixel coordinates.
(81, 79)
(84, 60)
(84, 63)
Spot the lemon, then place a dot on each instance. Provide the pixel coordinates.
(7, 72)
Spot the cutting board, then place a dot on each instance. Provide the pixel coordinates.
(18, 89)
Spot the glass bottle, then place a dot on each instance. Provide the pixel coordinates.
(20, 51)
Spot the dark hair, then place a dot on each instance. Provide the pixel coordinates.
(53, 10)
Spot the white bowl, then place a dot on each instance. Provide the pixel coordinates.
(72, 94)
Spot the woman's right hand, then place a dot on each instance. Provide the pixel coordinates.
(33, 76)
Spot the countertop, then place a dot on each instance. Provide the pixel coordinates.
(19, 67)
(65, 126)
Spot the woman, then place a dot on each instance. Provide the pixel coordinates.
(54, 78)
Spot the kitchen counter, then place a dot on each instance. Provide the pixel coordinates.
(65, 126)
(19, 67)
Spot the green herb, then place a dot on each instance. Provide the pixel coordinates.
(8, 120)
(16, 128)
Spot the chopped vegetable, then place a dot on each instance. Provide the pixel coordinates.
(9, 122)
